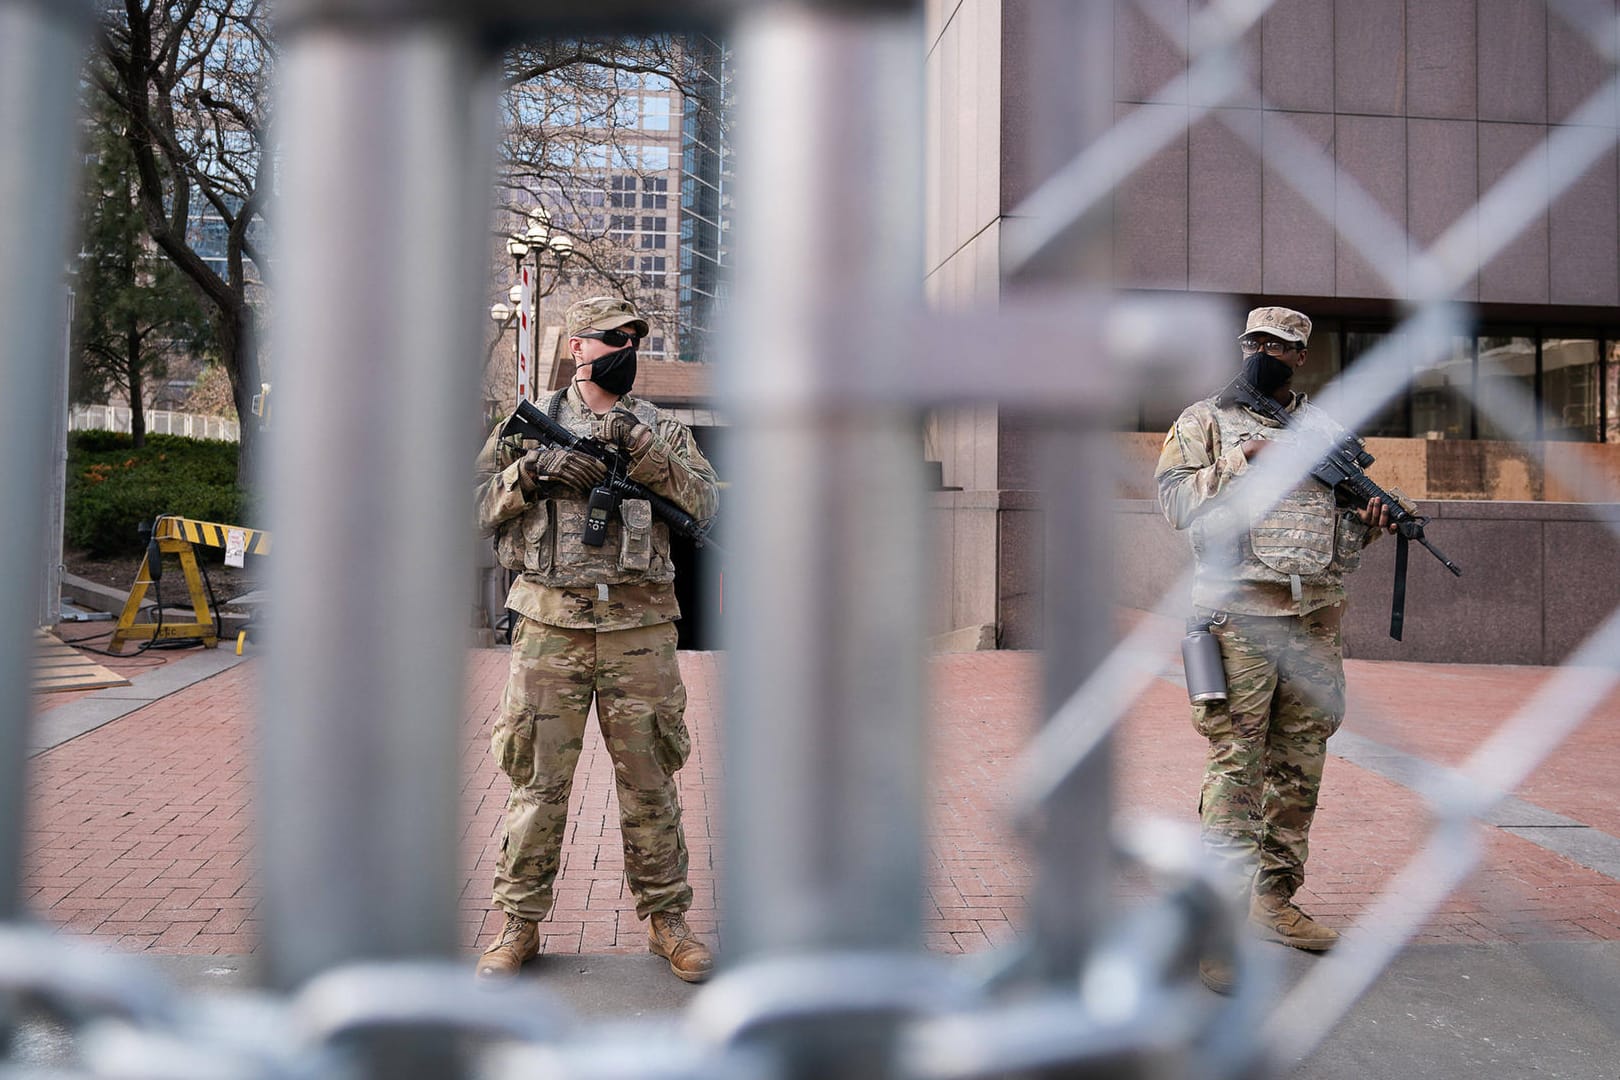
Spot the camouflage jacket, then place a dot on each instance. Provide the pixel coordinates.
(1288, 560)
(626, 582)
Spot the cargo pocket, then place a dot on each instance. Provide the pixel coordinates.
(1348, 542)
(536, 549)
(512, 747)
(671, 743)
(1212, 721)
(510, 547)
(635, 544)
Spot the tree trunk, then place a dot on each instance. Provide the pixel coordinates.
(239, 353)
(137, 389)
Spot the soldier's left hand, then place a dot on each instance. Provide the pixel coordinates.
(1376, 514)
(622, 428)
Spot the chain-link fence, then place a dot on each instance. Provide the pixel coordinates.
(386, 114)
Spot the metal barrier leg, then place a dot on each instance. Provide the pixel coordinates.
(824, 742)
(389, 138)
(40, 50)
(1067, 85)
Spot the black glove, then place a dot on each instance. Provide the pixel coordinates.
(570, 468)
(621, 427)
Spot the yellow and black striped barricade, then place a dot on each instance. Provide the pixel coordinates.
(180, 536)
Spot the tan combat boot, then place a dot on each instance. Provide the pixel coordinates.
(519, 941)
(669, 936)
(1280, 920)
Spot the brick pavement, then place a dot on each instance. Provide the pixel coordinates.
(140, 831)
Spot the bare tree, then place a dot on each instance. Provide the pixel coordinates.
(191, 81)
(579, 116)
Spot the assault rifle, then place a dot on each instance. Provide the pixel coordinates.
(530, 422)
(1343, 468)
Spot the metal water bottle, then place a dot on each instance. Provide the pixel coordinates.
(1201, 657)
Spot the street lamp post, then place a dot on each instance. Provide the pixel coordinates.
(518, 248)
(524, 295)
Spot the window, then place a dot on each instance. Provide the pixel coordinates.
(1323, 359)
(653, 271)
(1570, 390)
(655, 113)
(1514, 383)
(1393, 421)
(1440, 395)
(1507, 387)
(1611, 393)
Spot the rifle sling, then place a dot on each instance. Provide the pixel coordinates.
(1397, 610)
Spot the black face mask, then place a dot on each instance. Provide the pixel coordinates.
(615, 372)
(1266, 373)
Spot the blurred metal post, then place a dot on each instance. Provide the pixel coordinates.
(41, 48)
(824, 746)
(388, 123)
(1067, 83)
(55, 516)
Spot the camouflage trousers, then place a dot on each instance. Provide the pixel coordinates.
(538, 737)
(1268, 741)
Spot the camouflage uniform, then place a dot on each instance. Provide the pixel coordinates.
(592, 622)
(1273, 581)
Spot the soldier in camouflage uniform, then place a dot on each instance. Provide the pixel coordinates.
(593, 622)
(1273, 584)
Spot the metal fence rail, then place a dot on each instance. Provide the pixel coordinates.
(387, 113)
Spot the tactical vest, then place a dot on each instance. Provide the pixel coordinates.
(1299, 541)
(544, 544)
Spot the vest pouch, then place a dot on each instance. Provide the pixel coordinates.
(522, 543)
(1348, 543)
(1297, 537)
(635, 542)
(533, 527)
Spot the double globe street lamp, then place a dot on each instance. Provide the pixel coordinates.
(539, 239)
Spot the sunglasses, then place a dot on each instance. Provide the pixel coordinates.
(617, 339)
(1270, 348)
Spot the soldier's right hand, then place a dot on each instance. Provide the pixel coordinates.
(570, 468)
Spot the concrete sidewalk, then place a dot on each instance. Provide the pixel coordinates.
(140, 834)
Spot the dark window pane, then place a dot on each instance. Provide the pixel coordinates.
(1322, 360)
(1569, 387)
(1391, 422)
(1612, 377)
(1507, 388)
(1441, 394)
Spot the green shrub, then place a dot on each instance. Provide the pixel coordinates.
(113, 488)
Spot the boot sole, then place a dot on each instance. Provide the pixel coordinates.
(512, 974)
(1303, 944)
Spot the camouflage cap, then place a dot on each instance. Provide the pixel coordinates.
(1282, 322)
(602, 313)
